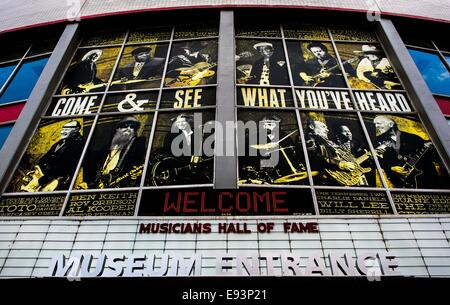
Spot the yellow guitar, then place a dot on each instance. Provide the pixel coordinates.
(191, 76)
(32, 182)
(84, 88)
(350, 177)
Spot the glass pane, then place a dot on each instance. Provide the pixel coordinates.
(116, 152)
(348, 33)
(338, 150)
(41, 47)
(130, 102)
(24, 81)
(188, 98)
(104, 38)
(444, 104)
(447, 58)
(182, 149)
(442, 44)
(270, 150)
(8, 52)
(260, 62)
(415, 37)
(192, 63)
(5, 72)
(433, 71)
(4, 132)
(52, 156)
(10, 112)
(88, 204)
(140, 67)
(24, 206)
(405, 152)
(89, 71)
(311, 32)
(75, 105)
(196, 31)
(314, 64)
(264, 97)
(149, 35)
(367, 67)
(323, 99)
(332, 202)
(419, 203)
(258, 30)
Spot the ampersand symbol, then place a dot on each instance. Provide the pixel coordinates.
(129, 100)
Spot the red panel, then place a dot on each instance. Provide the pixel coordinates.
(10, 112)
(444, 104)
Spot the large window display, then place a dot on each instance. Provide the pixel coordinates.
(324, 127)
(21, 64)
(342, 121)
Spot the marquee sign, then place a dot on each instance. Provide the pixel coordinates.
(370, 264)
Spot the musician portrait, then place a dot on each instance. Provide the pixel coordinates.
(82, 73)
(338, 157)
(272, 153)
(54, 169)
(184, 140)
(407, 159)
(354, 149)
(144, 70)
(367, 67)
(263, 64)
(89, 71)
(193, 63)
(316, 66)
(119, 161)
(178, 157)
(376, 69)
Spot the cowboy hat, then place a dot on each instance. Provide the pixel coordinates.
(368, 49)
(92, 52)
(262, 44)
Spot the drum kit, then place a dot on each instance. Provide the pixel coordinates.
(271, 175)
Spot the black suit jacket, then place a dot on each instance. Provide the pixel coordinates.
(153, 67)
(129, 160)
(409, 146)
(277, 72)
(60, 164)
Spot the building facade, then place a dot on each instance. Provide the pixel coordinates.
(217, 140)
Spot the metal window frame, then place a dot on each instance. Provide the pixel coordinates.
(22, 131)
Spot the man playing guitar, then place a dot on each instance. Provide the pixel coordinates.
(408, 160)
(321, 70)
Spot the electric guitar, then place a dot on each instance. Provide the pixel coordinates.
(408, 174)
(31, 179)
(350, 177)
(191, 76)
(110, 181)
(169, 170)
(84, 88)
(322, 76)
